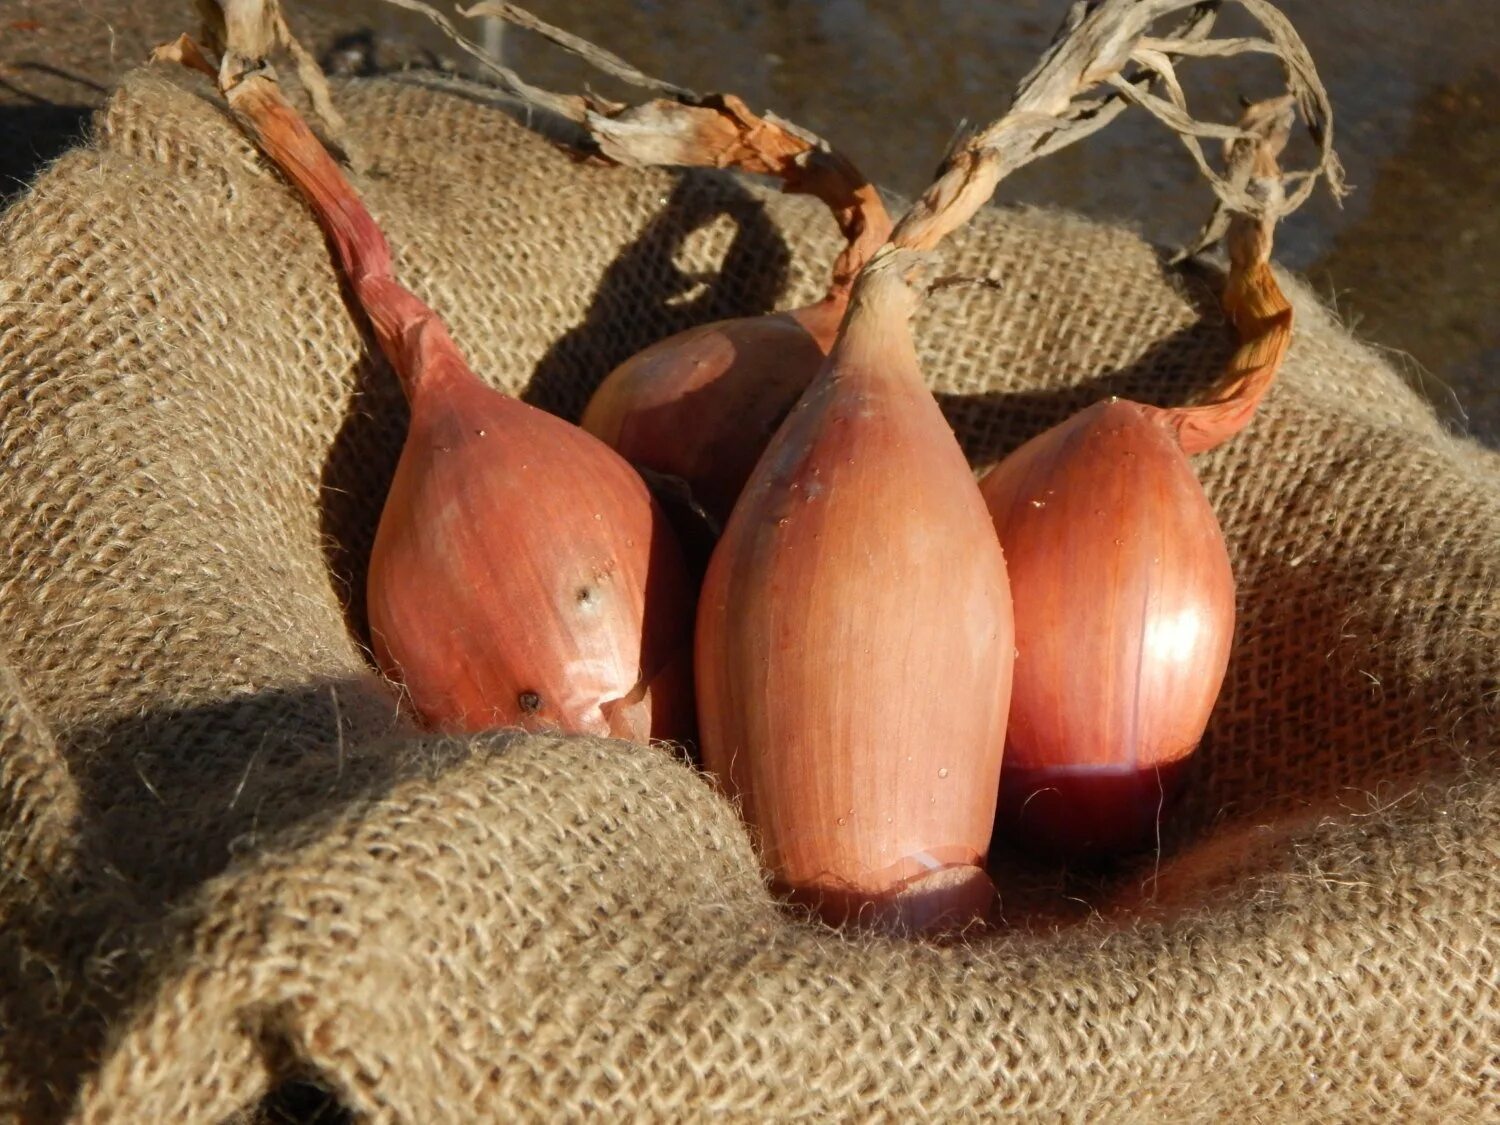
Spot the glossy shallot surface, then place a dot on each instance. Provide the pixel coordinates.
(855, 644)
(1124, 603)
(702, 405)
(522, 574)
(1125, 600)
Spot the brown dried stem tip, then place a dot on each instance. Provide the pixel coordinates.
(686, 129)
(720, 131)
(1056, 104)
(245, 33)
(1254, 303)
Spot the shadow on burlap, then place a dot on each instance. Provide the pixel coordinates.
(231, 867)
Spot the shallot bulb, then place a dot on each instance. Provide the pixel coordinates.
(855, 642)
(1124, 606)
(702, 405)
(1122, 579)
(522, 574)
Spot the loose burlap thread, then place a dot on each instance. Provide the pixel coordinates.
(231, 864)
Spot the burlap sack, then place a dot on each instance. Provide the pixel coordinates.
(231, 868)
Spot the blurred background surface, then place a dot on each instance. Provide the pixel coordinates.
(1409, 261)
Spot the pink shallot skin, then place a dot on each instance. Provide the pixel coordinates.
(703, 405)
(523, 576)
(855, 643)
(1124, 607)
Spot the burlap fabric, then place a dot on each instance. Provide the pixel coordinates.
(232, 868)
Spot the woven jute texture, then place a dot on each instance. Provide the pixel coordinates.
(230, 865)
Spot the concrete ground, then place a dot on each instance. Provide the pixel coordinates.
(1410, 260)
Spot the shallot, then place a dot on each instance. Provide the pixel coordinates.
(702, 405)
(522, 573)
(854, 642)
(1122, 580)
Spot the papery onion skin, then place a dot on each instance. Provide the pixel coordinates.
(703, 405)
(522, 576)
(855, 643)
(1124, 608)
